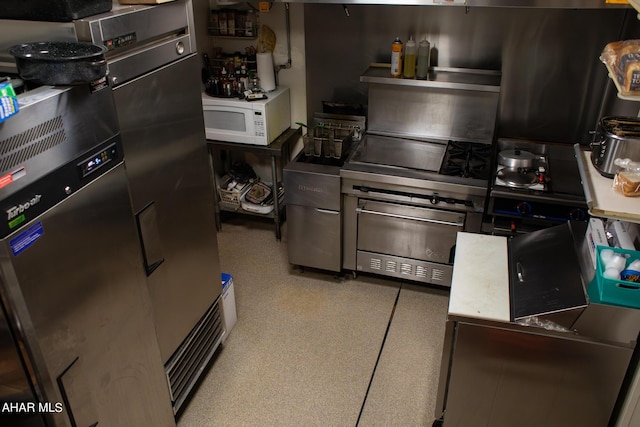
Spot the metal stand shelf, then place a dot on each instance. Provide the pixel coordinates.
(278, 149)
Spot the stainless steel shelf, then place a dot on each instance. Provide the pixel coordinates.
(602, 200)
(438, 77)
(280, 149)
(547, 4)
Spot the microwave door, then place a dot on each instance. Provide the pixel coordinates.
(231, 124)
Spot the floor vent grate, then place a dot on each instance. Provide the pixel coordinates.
(422, 271)
(391, 266)
(437, 275)
(406, 268)
(194, 353)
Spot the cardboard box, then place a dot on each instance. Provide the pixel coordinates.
(228, 304)
(626, 235)
(596, 236)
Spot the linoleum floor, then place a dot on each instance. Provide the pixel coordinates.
(313, 349)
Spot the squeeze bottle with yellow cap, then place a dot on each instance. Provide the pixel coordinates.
(410, 59)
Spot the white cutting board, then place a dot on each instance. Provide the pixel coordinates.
(480, 282)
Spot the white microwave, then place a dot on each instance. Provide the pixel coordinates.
(257, 122)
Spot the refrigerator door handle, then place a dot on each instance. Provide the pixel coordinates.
(146, 220)
(76, 397)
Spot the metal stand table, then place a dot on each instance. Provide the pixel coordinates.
(278, 149)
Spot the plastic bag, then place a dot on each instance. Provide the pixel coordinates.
(535, 321)
(242, 172)
(8, 101)
(627, 180)
(623, 60)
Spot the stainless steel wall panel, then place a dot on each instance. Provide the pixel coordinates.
(435, 113)
(553, 83)
(560, 4)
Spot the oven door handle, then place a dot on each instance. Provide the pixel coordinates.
(411, 218)
(327, 211)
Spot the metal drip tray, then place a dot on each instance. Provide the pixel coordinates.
(400, 153)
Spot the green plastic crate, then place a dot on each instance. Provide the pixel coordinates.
(617, 292)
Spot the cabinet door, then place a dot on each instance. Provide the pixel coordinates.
(504, 378)
(314, 237)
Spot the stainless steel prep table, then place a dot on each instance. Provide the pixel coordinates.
(280, 149)
(498, 372)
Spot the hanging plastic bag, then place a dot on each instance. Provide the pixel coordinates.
(627, 180)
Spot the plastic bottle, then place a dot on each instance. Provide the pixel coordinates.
(396, 58)
(249, 24)
(410, 59)
(424, 51)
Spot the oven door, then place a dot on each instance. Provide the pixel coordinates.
(412, 239)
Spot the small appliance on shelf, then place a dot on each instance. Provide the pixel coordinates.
(257, 122)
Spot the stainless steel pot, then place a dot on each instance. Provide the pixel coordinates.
(516, 159)
(616, 138)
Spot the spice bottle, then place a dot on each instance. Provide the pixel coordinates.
(396, 58)
(410, 59)
(424, 51)
(249, 24)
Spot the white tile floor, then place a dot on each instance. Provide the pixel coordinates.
(306, 349)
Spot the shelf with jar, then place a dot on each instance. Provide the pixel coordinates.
(230, 75)
(233, 23)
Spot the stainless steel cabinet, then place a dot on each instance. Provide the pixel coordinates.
(520, 376)
(314, 237)
(314, 214)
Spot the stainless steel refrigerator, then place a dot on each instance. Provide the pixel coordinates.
(155, 74)
(77, 334)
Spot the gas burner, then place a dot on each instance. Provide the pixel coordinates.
(517, 178)
(467, 160)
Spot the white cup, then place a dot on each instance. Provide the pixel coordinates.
(617, 262)
(611, 273)
(605, 255)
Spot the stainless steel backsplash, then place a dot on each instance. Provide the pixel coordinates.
(554, 87)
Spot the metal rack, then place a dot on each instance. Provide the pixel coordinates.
(280, 153)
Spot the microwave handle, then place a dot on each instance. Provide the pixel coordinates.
(228, 109)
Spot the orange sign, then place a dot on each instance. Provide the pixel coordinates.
(264, 6)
